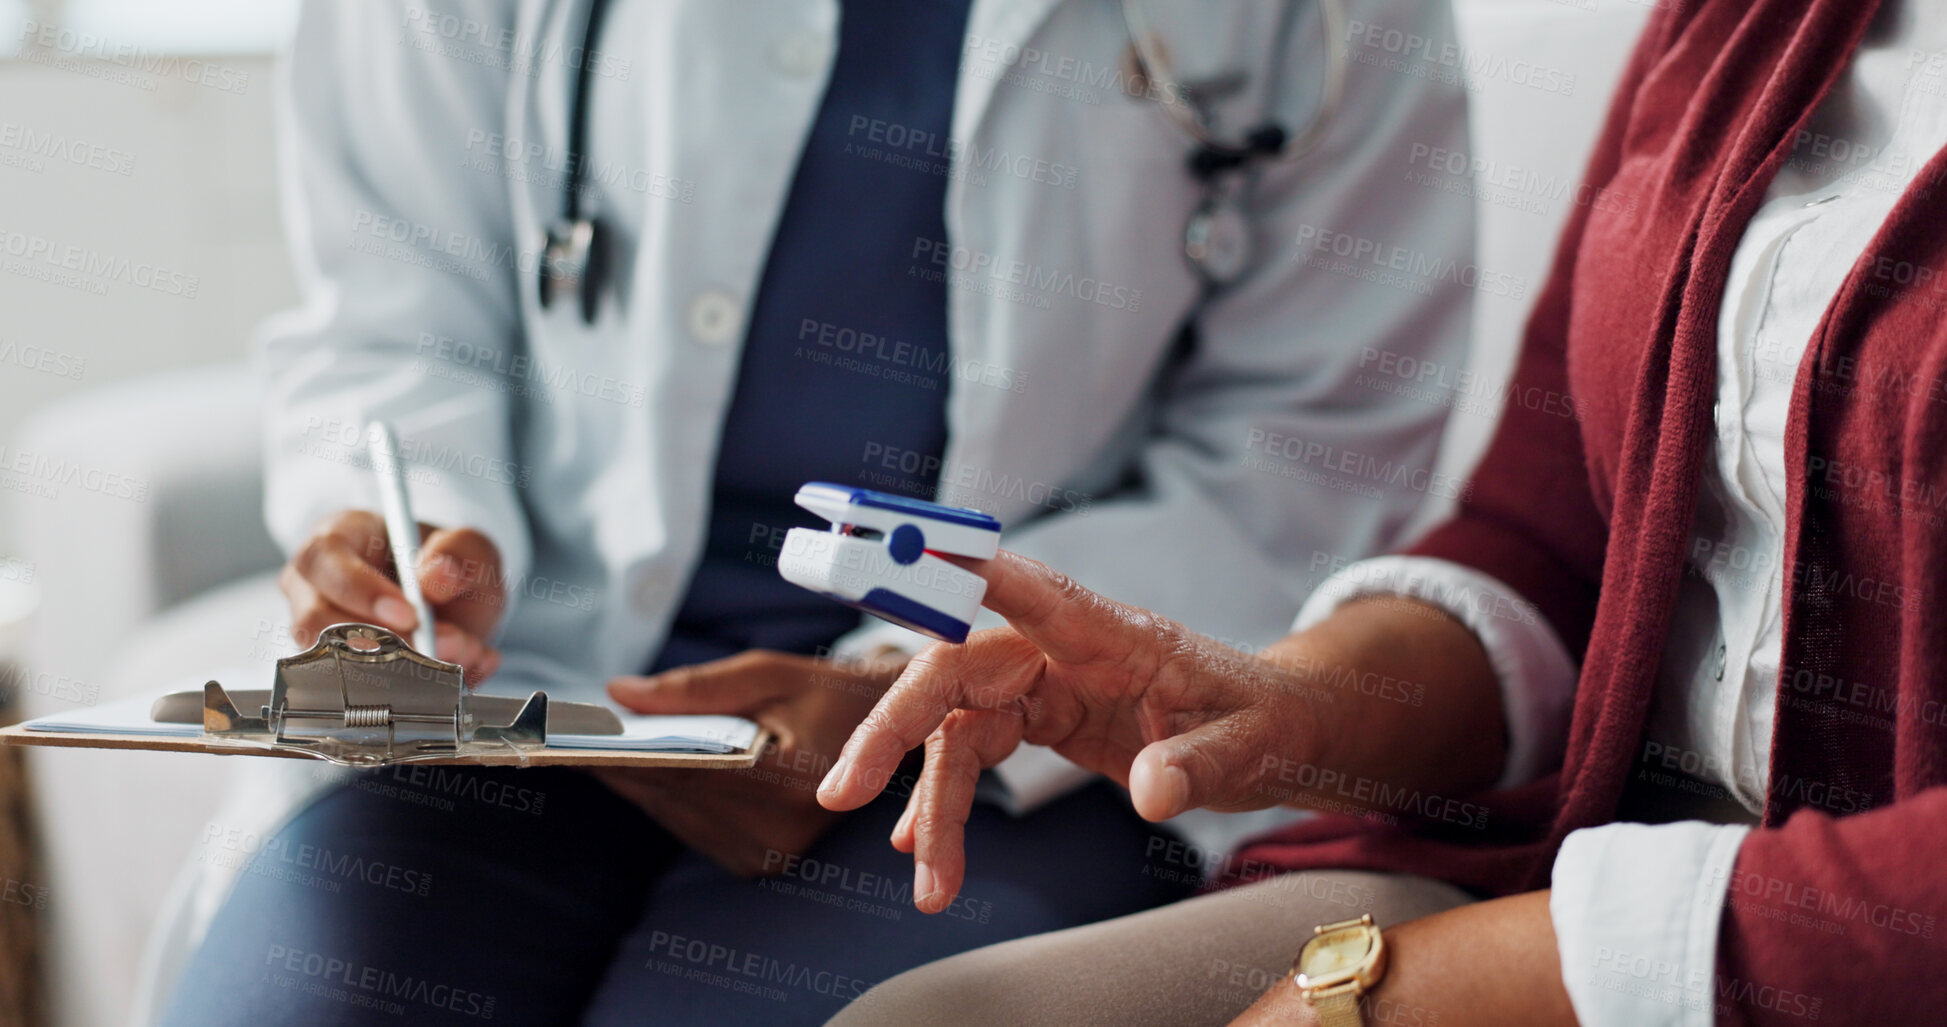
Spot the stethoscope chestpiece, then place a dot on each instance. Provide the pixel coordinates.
(571, 259)
(1217, 240)
(1217, 237)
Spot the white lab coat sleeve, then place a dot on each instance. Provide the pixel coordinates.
(408, 267)
(1290, 440)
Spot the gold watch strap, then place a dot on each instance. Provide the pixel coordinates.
(1339, 1008)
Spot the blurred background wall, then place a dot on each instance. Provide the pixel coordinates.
(170, 103)
(186, 185)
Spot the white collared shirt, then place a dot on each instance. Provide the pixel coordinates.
(1636, 908)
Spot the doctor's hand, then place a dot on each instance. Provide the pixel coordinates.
(344, 572)
(750, 821)
(1182, 720)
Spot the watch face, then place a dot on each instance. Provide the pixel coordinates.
(1332, 957)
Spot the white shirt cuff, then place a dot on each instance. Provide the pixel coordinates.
(1537, 674)
(1636, 911)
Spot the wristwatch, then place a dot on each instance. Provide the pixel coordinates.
(1341, 962)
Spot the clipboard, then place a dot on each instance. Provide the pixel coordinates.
(20, 734)
(361, 697)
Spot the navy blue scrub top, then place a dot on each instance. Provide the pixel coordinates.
(845, 367)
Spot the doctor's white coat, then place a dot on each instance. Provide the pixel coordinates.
(426, 146)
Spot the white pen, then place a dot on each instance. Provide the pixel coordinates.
(400, 527)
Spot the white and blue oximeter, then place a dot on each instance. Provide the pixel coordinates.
(879, 557)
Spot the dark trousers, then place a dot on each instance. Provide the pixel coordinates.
(531, 897)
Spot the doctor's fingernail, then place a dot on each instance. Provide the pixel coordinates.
(395, 613)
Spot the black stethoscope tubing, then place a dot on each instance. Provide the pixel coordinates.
(573, 255)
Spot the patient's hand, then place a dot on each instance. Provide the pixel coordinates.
(750, 821)
(344, 573)
(1182, 720)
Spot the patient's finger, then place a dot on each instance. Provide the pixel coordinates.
(995, 667)
(1215, 764)
(942, 800)
(902, 832)
(968, 742)
(1068, 622)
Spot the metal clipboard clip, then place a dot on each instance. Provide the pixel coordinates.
(362, 697)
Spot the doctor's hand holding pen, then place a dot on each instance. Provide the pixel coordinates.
(1182, 720)
(344, 572)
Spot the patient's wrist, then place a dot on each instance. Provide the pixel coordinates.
(1403, 696)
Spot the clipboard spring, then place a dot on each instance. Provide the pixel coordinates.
(368, 716)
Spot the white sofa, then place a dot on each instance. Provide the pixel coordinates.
(177, 588)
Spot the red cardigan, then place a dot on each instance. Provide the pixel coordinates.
(1588, 515)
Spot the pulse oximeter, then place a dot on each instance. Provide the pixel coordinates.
(879, 557)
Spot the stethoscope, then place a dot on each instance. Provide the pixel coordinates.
(1216, 238)
(574, 254)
